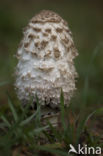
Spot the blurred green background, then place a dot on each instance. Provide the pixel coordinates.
(85, 19)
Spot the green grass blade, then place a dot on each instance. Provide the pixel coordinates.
(69, 134)
(98, 111)
(6, 121)
(62, 110)
(26, 109)
(85, 120)
(38, 130)
(26, 121)
(80, 129)
(56, 134)
(12, 109)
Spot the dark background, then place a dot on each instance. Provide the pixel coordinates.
(85, 19)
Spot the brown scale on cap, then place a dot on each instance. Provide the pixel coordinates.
(44, 44)
(45, 69)
(26, 44)
(28, 74)
(53, 37)
(74, 50)
(34, 53)
(37, 29)
(37, 44)
(27, 50)
(59, 30)
(27, 89)
(31, 36)
(41, 45)
(56, 53)
(66, 40)
(47, 16)
(45, 34)
(47, 54)
(48, 30)
(18, 56)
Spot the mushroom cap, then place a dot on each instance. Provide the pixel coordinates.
(45, 60)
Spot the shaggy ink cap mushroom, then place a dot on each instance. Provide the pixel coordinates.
(45, 60)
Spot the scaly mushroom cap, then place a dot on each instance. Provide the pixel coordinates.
(45, 60)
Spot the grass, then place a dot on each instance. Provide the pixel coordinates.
(82, 121)
(20, 129)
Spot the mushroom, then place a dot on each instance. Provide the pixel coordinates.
(45, 62)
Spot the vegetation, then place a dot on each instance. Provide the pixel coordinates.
(21, 130)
